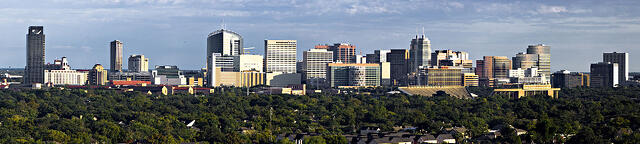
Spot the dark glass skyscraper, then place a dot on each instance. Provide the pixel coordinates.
(34, 71)
(224, 42)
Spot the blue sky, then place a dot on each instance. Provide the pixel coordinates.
(173, 32)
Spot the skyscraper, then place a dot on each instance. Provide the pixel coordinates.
(34, 71)
(97, 75)
(537, 56)
(343, 52)
(315, 65)
(604, 74)
(623, 64)
(492, 68)
(399, 63)
(420, 51)
(280, 56)
(138, 63)
(116, 56)
(224, 42)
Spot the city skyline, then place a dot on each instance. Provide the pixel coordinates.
(574, 45)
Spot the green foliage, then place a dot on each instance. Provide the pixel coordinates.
(580, 115)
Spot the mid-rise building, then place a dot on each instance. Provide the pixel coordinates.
(60, 73)
(131, 76)
(168, 75)
(280, 56)
(248, 63)
(442, 76)
(360, 59)
(420, 53)
(116, 56)
(227, 63)
(399, 63)
(470, 79)
(342, 52)
(98, 75)
(567, 79)
(451, 58)
(315, 65)
(138, 63)
(622, 59)
(34, 71)
(354, 75)
(378, 56)
(604, 74)
(493, 69)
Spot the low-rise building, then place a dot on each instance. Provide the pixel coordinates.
(528, 90)
(352, 74)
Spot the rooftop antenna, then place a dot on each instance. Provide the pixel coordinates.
(422, 32)
(222, 25)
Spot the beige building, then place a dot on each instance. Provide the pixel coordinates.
(528, 90)
(249, 63)
(470, 79)
(65, 77)
(315, 65)
(97, 75)
(116, 55)
(451, 58)
(138, 63)
(280, 56)
(239, 79)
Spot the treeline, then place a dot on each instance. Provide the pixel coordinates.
(580, 115)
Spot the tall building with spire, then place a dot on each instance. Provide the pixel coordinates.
(34, 71)
(222, 43)
(116, 56)
(420, 51)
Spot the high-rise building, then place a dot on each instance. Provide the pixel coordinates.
(138, 63)
(116, 56)
(399, 63)
(567, 79)
(315, 65)
(97, 75)
(223, 42)
(492, 69)
(604, 74)
(353, 75)
(420, 51)
(451, 58)
(378, 56)
(34, 71)
(538, 56)
(280, 56)
(342, 52)
(623, 64)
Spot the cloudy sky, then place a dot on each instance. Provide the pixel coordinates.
(173, 32)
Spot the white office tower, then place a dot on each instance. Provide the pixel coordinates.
(280, 56)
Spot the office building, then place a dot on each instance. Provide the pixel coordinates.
(248, 63)
(131, 76)
(441, 76)
(353, 75)
(451, 58)
(239, 79)
(623, 64)
(315, 65)
(538, 56)
(342, 52)
(280, 56)
(470, 79)
(34, 71)
(492, 70)
(420, 51)
(223, 42)
(279, 79)
(227, 63)
(567, 79)
(528, 90)
(138, 63)
(360, 59)
(604, 74)
(97, 75)
(399, 63)
(378, 56)
(385, 74)
(116, 56)
(60, 73)
(168, 75)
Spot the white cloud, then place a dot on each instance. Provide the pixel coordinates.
(546, 9)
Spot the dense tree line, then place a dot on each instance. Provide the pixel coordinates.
(78, 116)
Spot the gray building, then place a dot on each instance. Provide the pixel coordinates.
(378, 56)
(420, 51)
(116, 56)
(34, 71)
(224, 42)
(538, 56)
(138, 63)
(399, 65)
(604, 74)
(623, 64)
(315, 65)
